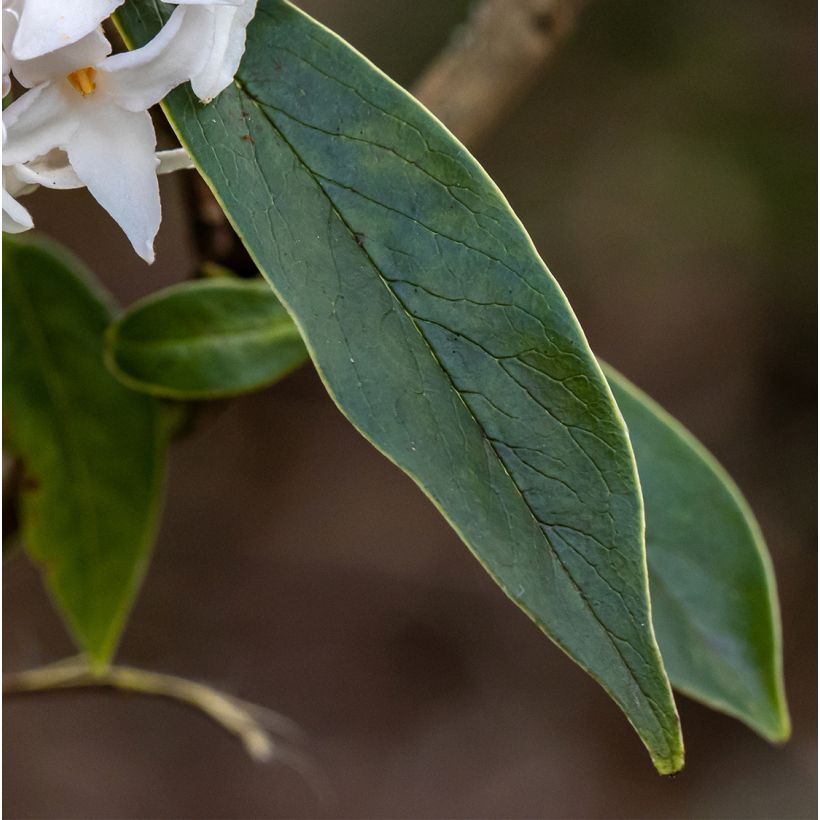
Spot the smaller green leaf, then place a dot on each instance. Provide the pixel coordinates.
(714, 599)
(204, 340)
(92, 451)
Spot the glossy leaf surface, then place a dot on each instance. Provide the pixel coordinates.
(92, 451)
(439, 333)
(714, 600)
(204, 339)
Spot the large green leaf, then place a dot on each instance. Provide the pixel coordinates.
(713, 593)
(714, 599)
(204, 339)
(439, 333)
(92, 450)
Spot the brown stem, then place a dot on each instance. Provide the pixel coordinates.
(216, 241)
(492, 60)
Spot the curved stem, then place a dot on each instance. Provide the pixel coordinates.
(234, 715)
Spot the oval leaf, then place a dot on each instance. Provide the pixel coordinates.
(204, 340)
(714, 599)
(439, 333)
(93, 452)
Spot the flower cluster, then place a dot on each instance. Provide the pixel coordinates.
(84, 119)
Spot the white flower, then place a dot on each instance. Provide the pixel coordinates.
(34, 28)
(98, 114)
(85, 120)
(34, 67)
(89, 50)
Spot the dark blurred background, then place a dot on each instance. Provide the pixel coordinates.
(665, 166)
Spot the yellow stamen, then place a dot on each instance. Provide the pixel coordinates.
(83, 80)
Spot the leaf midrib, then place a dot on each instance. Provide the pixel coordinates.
(266, 332)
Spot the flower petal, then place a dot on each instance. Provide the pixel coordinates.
(50, 171)
(39, 120)
(228, 47)
(6, 74)
(54, 171)
(141, 78)
(113, 154)
(16, 218)
(46, 25)
(87, 51)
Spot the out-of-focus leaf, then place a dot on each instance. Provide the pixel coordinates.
(93, 451)
(203, 340)
(439, 333)
(714, 600)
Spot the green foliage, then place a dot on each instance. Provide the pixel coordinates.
(439, 333)
(92, 451)
(714, 600)
(204, 339)
(713, 594)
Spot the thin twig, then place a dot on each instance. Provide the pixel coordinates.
(239, 718)
(216, 241)
(492, 60)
